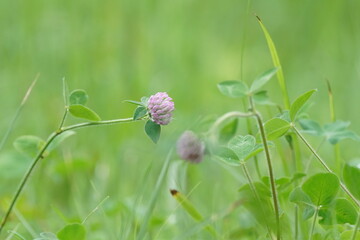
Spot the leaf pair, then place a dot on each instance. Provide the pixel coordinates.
(333, 132)
(237, 89)
(69, 232)
(77, 100)
(239, 149)
(320, 191)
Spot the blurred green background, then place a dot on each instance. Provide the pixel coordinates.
(127, 49)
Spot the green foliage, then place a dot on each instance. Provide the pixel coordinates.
(277, 64)
(29, 145)
(262, 98)
(78, 96)
(276, 128)
(242, 145)
(153, 130)
(81, 111)
(233, 89)
(72, 231)
(341, 212)
(299, 103)
(321, 188)
(228, 131)
(351, 175)
(332, 132)
(228, 156)
(140, 112)
(262, 79)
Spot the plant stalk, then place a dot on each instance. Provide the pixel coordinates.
(313, 223)
(40, 156)
(270, 168)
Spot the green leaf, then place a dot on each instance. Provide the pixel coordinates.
(153, 130)
(242, 145)
(351, 175)
(144, 101)
(260, 187)
(134, 102)
(257, 149)
(299, 197)
(277, 64)
(263, 79)
(140, 112)
(341, 212)
(72, 231)
(311, 127)
(345, 211)
(78, 96)
(233, 89)
(337, 131)
(276, 128)
(262, 98)
(81, 111)
(228, 131)
(227, 156)
(322, 188)
(59, 139)
(29, 145)
(299, 103)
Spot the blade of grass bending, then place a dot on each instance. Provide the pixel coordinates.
(191, 210)
(276, 61)
(18, 111)
(154, 196)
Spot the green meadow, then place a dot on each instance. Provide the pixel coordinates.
(115, 181)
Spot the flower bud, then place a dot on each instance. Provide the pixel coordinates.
(160, 107)
(190, 147)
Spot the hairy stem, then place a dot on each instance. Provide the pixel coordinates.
(40, 156)
(342, 185)
(270, 168)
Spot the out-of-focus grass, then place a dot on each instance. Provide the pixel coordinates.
(120, 50)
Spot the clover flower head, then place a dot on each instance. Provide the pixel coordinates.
(190, 147)
(160, 107)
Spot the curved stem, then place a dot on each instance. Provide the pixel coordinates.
(270, 168)
(342, 185)
(43, 149)
(227, 116)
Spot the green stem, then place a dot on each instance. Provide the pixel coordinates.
(253, 189)
(342, 185)
(356, 228)
(313, 223)
(40, 156)
(270, 168)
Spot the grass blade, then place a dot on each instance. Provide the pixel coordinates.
(154, 196)
(276, 61)
(18, 111)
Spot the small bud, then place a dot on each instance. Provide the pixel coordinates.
(160, 108)
(190, 147)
